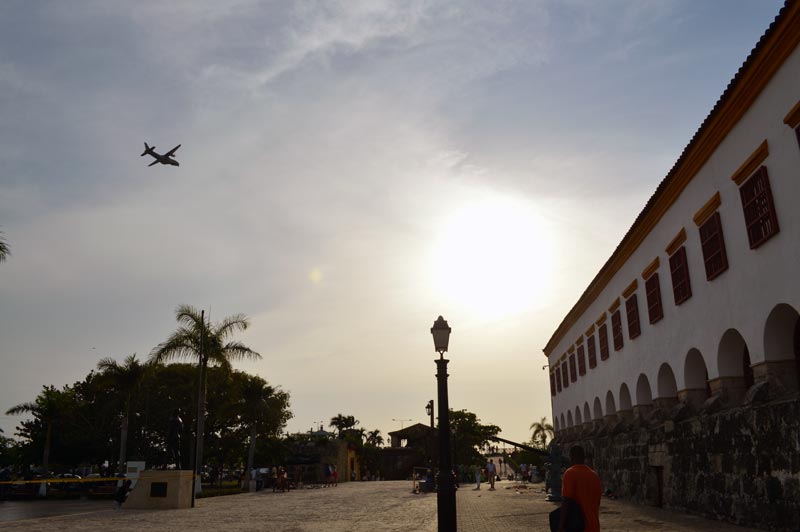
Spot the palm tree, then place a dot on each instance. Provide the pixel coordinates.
(541, 430)
(205, 342)
(47, 408)
(374, 438)
(342, 423)
(4, 251)
(125, 379)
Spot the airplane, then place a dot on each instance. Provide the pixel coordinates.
(163, 159)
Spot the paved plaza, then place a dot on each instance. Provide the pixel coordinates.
(358, 507)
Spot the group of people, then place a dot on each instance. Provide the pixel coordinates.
(331, 476)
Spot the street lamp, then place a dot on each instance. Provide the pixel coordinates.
(446, 493)
(429, 410)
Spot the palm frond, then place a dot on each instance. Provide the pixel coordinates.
(5, 252)
(239, 351)
(237, 322)
(24, 408)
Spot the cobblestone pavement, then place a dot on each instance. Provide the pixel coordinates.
(364, 507)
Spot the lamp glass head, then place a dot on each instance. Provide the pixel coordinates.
(441, 335)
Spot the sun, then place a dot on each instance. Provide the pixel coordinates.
(493, 258)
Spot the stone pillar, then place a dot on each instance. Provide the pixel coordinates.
(626, 415)
(642, 410)
(732, 389)
(665, 402)
(695, 396)
(781, 374)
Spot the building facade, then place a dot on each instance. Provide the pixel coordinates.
(695, 314)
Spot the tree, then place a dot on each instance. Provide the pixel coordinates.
(47, 408)
(469, 435)
(4, 250)
(374, 438)
(264, 409)
(125, 379)
(541, 430)
(343, 423)
(207, 343)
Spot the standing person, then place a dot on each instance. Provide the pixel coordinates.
(477, 470)
(491, 472)
(335, 476)
(581, 485)
(122, 494)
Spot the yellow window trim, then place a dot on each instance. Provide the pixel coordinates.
(601, 320)
(579, 341)
(679, 239)
(793, 118)
(650, 270)
(628, 292)
(590, 330)
(751, 164)
(707, 210)
(614, 306)
(571, 349)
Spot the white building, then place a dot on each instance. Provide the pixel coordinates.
(701, 296)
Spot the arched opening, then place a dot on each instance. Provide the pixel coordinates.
(735, 372)
(587, 413)
(625, 398)
(556, 424)
(598, 409)
(644, 396)
(611, 407)
(667, 387)
(570, 423)
(563, 423)
(695, 377)
(578, 416)
(781, 348)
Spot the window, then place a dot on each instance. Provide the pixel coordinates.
(759, 211)
(653, 290)
(564, 376)
(679, 269)
(581, 361)
(713, 245)
(593, 353)
(632, 312)
(573, 374)
(558, 377)
(552, 384)
(602, 336)
(616, 329)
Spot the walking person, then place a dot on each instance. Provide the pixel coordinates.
(491, 472)
(580, 486)
(477, 469)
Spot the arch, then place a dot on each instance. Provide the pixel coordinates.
(578, 416)
(587, 413)
(779, 333)
(556, 425)
(667, 386)
(733, 357)
(598, 408)
(611, 408)
(644, 395)
(695, 372)
(570, 423)
(563, 423)
(624, 397)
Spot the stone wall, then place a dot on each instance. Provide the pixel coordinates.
(739, 464)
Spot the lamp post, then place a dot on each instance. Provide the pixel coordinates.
(446, 493)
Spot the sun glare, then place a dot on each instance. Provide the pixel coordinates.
(493, 257)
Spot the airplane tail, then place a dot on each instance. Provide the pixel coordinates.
(147, 149)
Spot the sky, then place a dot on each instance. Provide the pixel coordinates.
(349, 171)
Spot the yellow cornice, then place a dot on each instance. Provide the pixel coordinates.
(579, 341)
(571, 349)
(628, 292)
(650, 270)
(601, 320)
(707, 210)
(751, 164)
(792, 119)
(771, 54)
(614, 306)
(563, 358)
(679, 239)
(590, 330)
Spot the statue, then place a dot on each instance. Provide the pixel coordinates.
(554, 465)
(174, 440)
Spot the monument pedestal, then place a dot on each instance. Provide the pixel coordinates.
(161, 490)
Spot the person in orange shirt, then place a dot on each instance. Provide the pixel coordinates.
(581, 485)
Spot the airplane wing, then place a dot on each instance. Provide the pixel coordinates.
(151, 164)
(171, 152)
